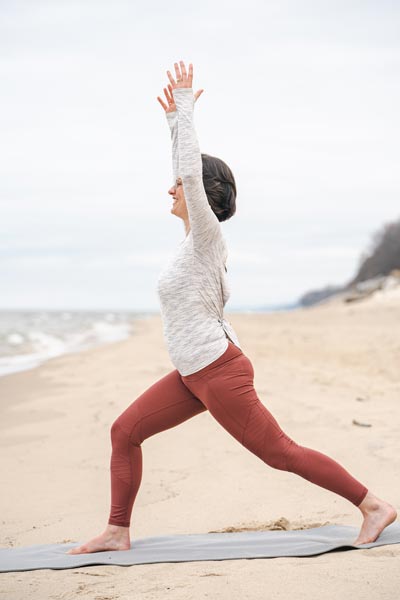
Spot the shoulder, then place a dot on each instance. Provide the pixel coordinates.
(215, 251)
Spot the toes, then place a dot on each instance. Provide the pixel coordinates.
(79, 550)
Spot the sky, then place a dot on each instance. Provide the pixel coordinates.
(300, 99)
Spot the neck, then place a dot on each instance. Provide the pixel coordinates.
(187, 226)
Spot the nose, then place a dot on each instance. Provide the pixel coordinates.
(172, 190)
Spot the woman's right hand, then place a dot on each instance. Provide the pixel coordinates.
(171, 107)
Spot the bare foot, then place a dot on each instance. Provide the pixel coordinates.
(113, 538)
(378, 514)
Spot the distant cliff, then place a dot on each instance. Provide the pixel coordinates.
(378, 262)
(315, 296)
(383, 256)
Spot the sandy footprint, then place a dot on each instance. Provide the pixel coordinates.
(281, 524)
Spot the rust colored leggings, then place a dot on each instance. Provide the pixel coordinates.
(224, 388)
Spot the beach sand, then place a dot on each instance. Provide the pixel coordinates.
(316, 369)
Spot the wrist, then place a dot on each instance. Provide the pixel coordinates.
(184, 99)
(183, 89)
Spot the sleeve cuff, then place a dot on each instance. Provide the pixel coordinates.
(179, 90)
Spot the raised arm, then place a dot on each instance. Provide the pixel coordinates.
(203, 221)
(172, 119)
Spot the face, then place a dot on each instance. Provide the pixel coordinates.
(179, 204)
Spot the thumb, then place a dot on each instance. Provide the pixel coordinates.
(198, 94)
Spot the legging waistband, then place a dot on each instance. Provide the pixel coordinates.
(231, 352)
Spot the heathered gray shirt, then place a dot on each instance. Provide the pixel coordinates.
(193, 288)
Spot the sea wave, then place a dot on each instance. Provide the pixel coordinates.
(29, 338)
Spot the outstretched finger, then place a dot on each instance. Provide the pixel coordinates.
(165, 107)
(170, 92)
(168, 96)
(183, 69)
(198, 94)
(177, 72)
(172, 80)
(190, 78)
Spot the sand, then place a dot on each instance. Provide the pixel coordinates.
(316, 369)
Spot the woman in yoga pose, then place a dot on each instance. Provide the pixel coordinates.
(211, 371)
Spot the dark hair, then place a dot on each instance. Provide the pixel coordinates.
(220, 187)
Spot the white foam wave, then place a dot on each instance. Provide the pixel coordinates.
(25, 350)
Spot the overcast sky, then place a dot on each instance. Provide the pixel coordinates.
(301, 100)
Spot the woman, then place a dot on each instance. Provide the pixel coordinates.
(212, 373)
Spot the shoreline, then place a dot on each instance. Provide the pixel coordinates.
(52, 339)
(30, 361)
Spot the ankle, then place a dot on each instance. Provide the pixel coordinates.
(117, 530)
(370, 503)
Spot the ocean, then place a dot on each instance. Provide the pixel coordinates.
(30, 337)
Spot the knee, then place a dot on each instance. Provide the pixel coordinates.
(116, 433)
(127, 427)
(277, 459)
(120, 435)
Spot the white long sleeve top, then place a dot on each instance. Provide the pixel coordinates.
(193, 287)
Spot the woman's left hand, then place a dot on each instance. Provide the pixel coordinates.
(183, 79)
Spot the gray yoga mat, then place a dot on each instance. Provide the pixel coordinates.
(197, 546)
